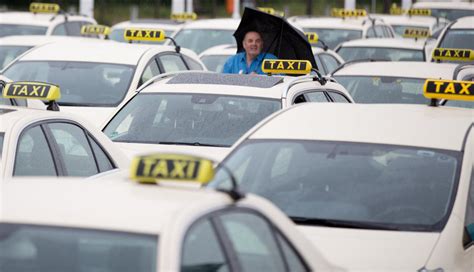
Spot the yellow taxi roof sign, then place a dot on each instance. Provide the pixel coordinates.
(95, 30)
(453, 54)
(183, 16)
(271, 11)
(449, 89)
(396, 10)
(171, 167)
(416, 32)
(137, 34)
(32, 90)
(281, 66)
(312, 37)
(36, 7)
(419, 12)
(337, 12)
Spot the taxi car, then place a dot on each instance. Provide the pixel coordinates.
(215, 57)
(337, 30)
(147, 228)
(95, 75)
(37, 142)
(204, 113)
(458, 35)
(370, 180)
(169, 26)
(200, 35)
(449, 10)
(401, 22)
(41, 21)
(384, 49)
(392, 82)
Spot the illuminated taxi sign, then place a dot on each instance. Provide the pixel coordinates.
(396, 10)
(348, 12)
(31, 90)
(271, 66)
(95, 30)
(135, 34)
(271, 11)
(160, 167)
(453, 54)
(312, 37)
(419, 12)
(416, 32)
(183, 16)
(449, 89)
(44, 8)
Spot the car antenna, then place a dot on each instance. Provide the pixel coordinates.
(176, 46)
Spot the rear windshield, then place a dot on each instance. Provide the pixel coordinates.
(215, 62)
(380, 53)
(48, 248)
(458, 38)
(333, 37)
(9, 53)
(9, 30)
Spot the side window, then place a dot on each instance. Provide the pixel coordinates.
(371, 33)
(388, 33)
(318, 96)
(60, 30)
(150, 71)
(33, 157)
(320, 65)
(74, 28)
(469, 222)
(172, 63)
(192, 64)
(330, 62)
(74, 149)
(201, 249)
(338, 98)
(379, 33)
(103, 161)
(294, 261)
(254, 242)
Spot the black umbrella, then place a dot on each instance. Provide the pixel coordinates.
(279, 37)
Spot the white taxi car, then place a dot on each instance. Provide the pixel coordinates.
(334, 31)
(375, 188)
(401, 22)
(40, 21)
(392, 82)
(67, 226)
(95, 76)
(49, 143)
(451, 10)
(203, 34)
(205, 113)
(458, 35)
(388, 49)
(169, 26)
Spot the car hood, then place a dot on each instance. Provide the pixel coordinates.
(372, 250)
(214, 153)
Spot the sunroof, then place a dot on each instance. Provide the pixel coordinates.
(226, 79)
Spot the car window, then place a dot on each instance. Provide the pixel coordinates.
(333, 37)
(150, 71)
(2, 136)
(349, 53)
(458, 38)
(338, 98)
(9, 52)
(253, 241)
(388, 32)
(74, 28)
(103, 161)
(60, 30)
(379, 31)
(33, 157)
(202, 251)
(192, 64)
(318, 96)
(321, 67)
(469, 221)
(295, 264)
(74, 149)
(172, 63)
(330, 62)
(371, 33)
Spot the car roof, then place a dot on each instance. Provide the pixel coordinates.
(330, 22)
(444, 5)
(408, 125)
(150, 23)
(386, 42)
(32, 40)
(411, 69)
(128, 206)
(422, 21)
(219, 23)
(92, 50)
(39, 19)
(463, 23)
(222, 49)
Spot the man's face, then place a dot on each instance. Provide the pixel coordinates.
(253, 43)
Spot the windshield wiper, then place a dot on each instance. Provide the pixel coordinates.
(341, 223)
(193, 143)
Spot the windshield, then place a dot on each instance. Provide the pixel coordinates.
(458, 38)
(81, 83)
(48, 248)
(337, 183)
(451, 14)
(188, 119)
(9, 30)
(199, 40)
(460, 104)
(215, 62)
(380, 53)
(117, 35)
(9, 53)
(381, 89)
(333, 37)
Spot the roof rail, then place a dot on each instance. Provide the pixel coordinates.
(353, 62)
(166, 75)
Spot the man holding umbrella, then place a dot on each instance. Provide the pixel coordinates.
(250, 60)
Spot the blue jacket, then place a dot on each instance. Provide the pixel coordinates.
(237, 64)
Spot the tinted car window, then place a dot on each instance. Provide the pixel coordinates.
(172, 63)
(11, 29)
(380, 53)
(330, 62)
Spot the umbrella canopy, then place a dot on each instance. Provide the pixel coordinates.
(279, 36)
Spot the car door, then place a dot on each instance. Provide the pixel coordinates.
(238, 239)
